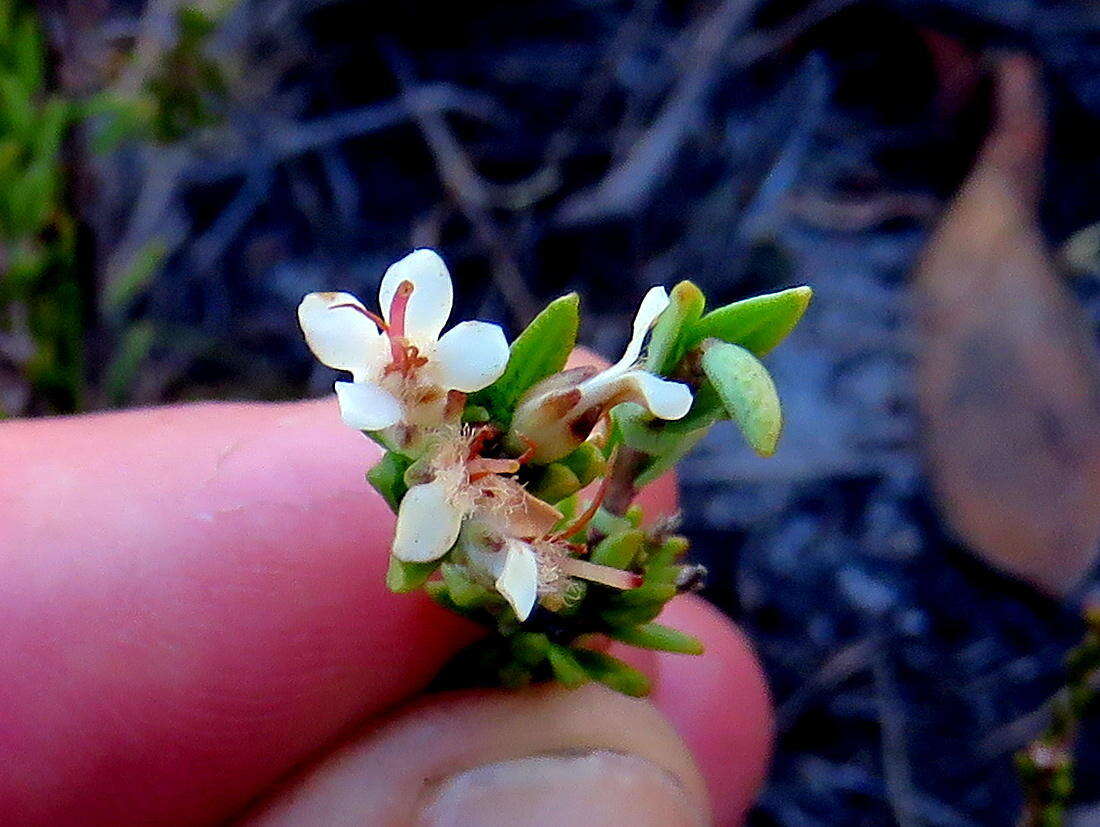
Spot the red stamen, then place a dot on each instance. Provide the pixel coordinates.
(481, 437)
(585, 518)
(615, 578)
(482, 467)
(399, 307)
(378, 320)
(525, 457)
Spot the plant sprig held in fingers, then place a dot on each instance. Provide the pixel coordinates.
(513, 478)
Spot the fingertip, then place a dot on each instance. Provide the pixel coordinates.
(719, 703)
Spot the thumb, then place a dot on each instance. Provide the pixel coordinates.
(540, 756)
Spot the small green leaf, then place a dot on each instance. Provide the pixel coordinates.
(465, 593)
(671, 335)
(607, 523)
(530, 648)
(587, 462)
(619, 550)
(757, 324)
(388, 477)
(538, 352)
(631, 615)
(644, 594)
(404, 577)
(613, 673)
(662, 464)
(661, 638)
(747, 392)
(475, 414)
(555, 483)
(567, 670)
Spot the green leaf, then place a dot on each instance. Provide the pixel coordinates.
(757, 324)
(645, 594)
(671, 335)
(404, 577)
(538, 352)
(662, 464)
(747, 392)
(123, 288)
(388, 477)
(567, 669)
(661, 638)
(587, 462)
(619, 550)
(631, 615)
(475, 414)
(555, 483)
(613, 672)
(530, 648)
(132, 350)
(465, 593)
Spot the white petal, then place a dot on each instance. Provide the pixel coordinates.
(367, 407)
(519, 579)
(427, 524)
(663, 398)
(470, 356)
(432, 297)
(652, 306)
(339, 335)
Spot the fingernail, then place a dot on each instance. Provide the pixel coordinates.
(592, 788)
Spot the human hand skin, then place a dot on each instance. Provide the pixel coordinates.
(193, 610)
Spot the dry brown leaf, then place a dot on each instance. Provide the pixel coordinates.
(1009, 379)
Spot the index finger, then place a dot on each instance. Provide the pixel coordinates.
(192, 599)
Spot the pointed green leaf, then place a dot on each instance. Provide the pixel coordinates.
(619, 550)
(537, 352)
(747, 392)
(757, 324)
(555, 483)
(404, 577)
(388, 477)
(530, 648)
(613, 672)
(567, 670)
(661, 638)
(587, 462)
(671, 335)
(645, 594)
(631, 615)
(663, 463)
(465, 593)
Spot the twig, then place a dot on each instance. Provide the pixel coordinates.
(845, 663)
(895, 759)
(631, 182)
(291, 140)
(469, 193)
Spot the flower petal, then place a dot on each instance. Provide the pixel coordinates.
(519, 579)
(471, 356)
(427, 524)
(367, 407)
(432, 297)
(340, 334)
(652, 306)
(663, 398)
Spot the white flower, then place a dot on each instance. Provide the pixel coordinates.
(527, 570)
(401, 367)
(457, 481)
(558, 413)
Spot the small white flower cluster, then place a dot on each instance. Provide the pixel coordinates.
(408, 389)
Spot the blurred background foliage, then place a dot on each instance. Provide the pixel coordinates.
(173, 177)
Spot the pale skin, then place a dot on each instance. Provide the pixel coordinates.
(193, 619)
